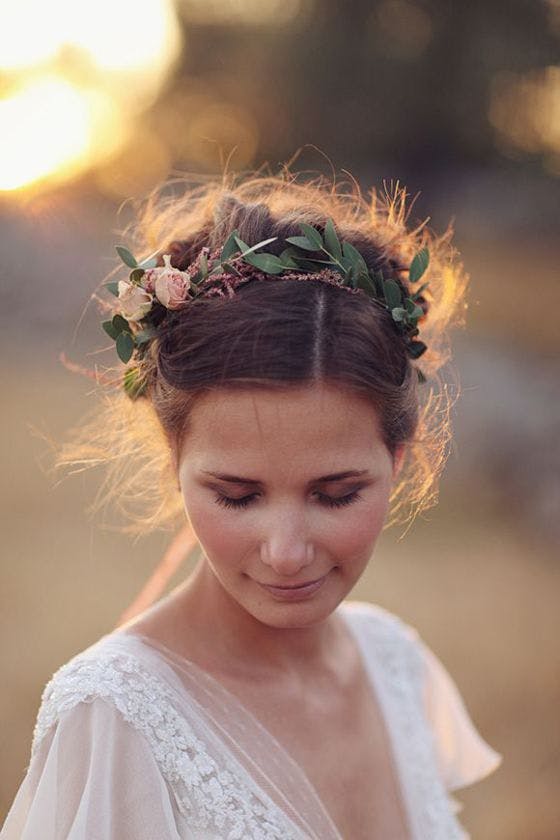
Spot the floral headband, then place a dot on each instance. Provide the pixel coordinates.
(151, 290)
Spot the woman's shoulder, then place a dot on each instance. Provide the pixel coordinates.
(462, 754)
(117, 669)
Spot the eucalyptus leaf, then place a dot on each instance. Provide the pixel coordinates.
(414, 311)
(289, 258)
(120, 324)
(113, 287)
(230, 246)
(229, 268)
(203, 265)
(392, 293)
(358, 263)
(398, 313)
(313, 235)
(268, 263)
(416, 349)
(363, 281)
(332, 241)
(302, 242)
(377, 277)
(419, 291)
(125, 346)
(126, 256)
(419, 265)
(110, 329)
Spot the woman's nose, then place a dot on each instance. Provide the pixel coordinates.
(287, 550)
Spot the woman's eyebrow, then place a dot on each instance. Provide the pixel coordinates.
(235, 479)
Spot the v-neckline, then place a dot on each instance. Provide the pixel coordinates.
(375, 684)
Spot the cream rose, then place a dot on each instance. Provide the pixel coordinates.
(171, 286)
(135, 302)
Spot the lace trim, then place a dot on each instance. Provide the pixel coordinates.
(396, 668)
(212, 798)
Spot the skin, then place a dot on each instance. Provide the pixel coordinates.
(287, 533)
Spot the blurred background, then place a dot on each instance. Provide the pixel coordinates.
(460, 102)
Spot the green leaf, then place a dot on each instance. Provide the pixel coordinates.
(377, 277)
(230, 246)
(301, 242)
(289, 258)
(419, 291)
(125, 346)
(113, 287)
(110, 329)
(313, 235)
(398, 313)
(136, 275)
(413, 310)
(229, 268)
(203, 266)
(265, 262)
(419, 265)
(126, 256)
(332, 241)
(392, 293)
(120, 324)
(416, 349)
(357, 262)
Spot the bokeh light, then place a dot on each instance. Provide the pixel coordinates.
(525, 112)
(76, 80)
(252, 12)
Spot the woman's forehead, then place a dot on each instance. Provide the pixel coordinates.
(319, 419)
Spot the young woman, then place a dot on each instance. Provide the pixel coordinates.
(280, 391)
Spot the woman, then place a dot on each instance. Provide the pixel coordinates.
(281, 391)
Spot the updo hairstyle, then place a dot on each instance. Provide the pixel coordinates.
(275, 334)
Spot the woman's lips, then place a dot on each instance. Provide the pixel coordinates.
(295, 593)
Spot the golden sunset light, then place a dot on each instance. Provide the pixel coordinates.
(76, 81)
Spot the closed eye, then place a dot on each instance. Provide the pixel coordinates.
(327, 501)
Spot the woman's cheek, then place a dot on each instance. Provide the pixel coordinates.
(220, 532)
(356, 531)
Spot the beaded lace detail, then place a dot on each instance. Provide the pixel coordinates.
(397, 671)
(211, 797)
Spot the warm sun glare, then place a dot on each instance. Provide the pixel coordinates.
(75, 80)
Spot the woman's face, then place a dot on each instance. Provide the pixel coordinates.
(284, 489)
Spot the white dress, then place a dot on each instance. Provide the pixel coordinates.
(133, 742)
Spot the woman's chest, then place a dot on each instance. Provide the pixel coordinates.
(340, 742)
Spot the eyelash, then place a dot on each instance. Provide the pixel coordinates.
(328, 501)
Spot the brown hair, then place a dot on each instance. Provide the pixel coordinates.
(276, 334)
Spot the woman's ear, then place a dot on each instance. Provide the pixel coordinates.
(398, 459)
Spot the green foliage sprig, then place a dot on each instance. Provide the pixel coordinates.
(311, 252)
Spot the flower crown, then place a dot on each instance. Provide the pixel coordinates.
(151, 290)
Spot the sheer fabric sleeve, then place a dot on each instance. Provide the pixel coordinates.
(463, 756)
(92, 777)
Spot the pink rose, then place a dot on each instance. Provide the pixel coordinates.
(171, 286)
(135, 302)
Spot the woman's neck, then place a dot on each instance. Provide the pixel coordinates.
(201, 619)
